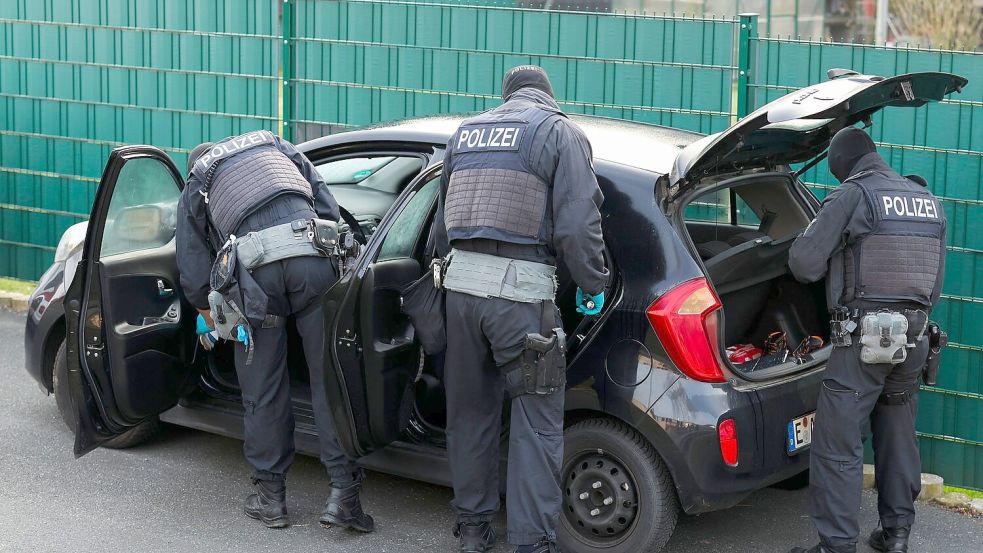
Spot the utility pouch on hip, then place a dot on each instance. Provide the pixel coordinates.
(325, 237)
(884, 336)
(841, 328)
(227, 316)
(937, 339)
(542, 367)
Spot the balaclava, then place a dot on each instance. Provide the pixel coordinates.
(525, 76)
(846, 149)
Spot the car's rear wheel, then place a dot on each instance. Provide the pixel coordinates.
(618, 495)
(59, 381)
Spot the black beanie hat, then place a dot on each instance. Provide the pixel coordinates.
(846, 149)
(197, 153)
(525, 76)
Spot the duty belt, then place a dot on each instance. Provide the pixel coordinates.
(491, 276)
(303, 237)
(847, 324)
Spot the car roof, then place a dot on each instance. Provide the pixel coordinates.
(640, 145)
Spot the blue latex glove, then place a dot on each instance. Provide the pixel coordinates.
(201, 327)
(588, 304)
(242, 335)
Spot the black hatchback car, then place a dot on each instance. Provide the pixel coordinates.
(659, 417)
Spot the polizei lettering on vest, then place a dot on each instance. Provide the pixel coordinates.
(489, 138)
(234, 145)
(905, 206)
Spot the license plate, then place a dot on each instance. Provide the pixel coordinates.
(800, 433)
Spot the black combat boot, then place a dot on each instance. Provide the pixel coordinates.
(890, 540)
(344, 509)
(269, 503)
(476, 537)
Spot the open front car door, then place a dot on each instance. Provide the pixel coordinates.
(130, 332)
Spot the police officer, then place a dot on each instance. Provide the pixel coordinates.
(518, 193)
(260, 186)
(879, 241)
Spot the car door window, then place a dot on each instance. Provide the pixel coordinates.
(141, 213)
(404, 234)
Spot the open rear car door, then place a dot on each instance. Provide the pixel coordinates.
(372, 356)
(798, 126)
(130, 331)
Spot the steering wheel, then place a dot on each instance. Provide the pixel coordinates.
(352, 223)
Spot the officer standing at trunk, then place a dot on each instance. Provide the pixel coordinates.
(518, 193)
(247, 250)
(879, 241)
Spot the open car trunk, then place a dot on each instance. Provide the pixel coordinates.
(742, 231)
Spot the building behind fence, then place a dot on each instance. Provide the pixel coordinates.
(80, 77)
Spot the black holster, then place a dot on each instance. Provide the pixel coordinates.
(541, 369)
(937, 339)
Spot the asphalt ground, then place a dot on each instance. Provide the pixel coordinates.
(184, 492)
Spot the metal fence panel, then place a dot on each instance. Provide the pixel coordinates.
(80, 77)
(364, 61)
(941, 143)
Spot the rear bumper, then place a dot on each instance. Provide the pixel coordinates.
(703, 480)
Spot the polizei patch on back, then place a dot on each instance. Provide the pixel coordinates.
(907, 207)
(233, 146)
(485, 138)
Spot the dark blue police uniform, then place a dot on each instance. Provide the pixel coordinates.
(879, 241)
(517, 184)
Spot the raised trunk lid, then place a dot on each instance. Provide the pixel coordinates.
(798, 126)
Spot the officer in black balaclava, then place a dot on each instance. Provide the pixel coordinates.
(518, 194)
(250, 185)
(879, 241)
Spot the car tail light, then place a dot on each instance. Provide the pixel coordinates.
(727, 432)
(685, 319)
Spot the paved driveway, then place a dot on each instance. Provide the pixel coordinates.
(183, 492)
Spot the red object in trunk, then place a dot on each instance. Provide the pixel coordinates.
(742, 353)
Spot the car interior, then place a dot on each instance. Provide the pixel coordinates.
(743, 232)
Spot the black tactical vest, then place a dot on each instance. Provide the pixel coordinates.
(242, 174)
(900, 259)
(494, 192)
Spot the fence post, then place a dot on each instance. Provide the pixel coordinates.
(287, 70)
(747, 33)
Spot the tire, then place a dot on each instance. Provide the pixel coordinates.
(606, 459)
(59, 381)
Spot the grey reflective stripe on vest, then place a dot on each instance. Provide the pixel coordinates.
(249, 181)
(490, 276)
(275, 243)
(513, 201)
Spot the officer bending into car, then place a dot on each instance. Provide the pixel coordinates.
(518, 194)
(879, 241)
(255, 228)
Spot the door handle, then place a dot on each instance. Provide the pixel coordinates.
(162, 290)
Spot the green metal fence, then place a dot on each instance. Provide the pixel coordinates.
(944, 143)
(420, 59)
(79, 77)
